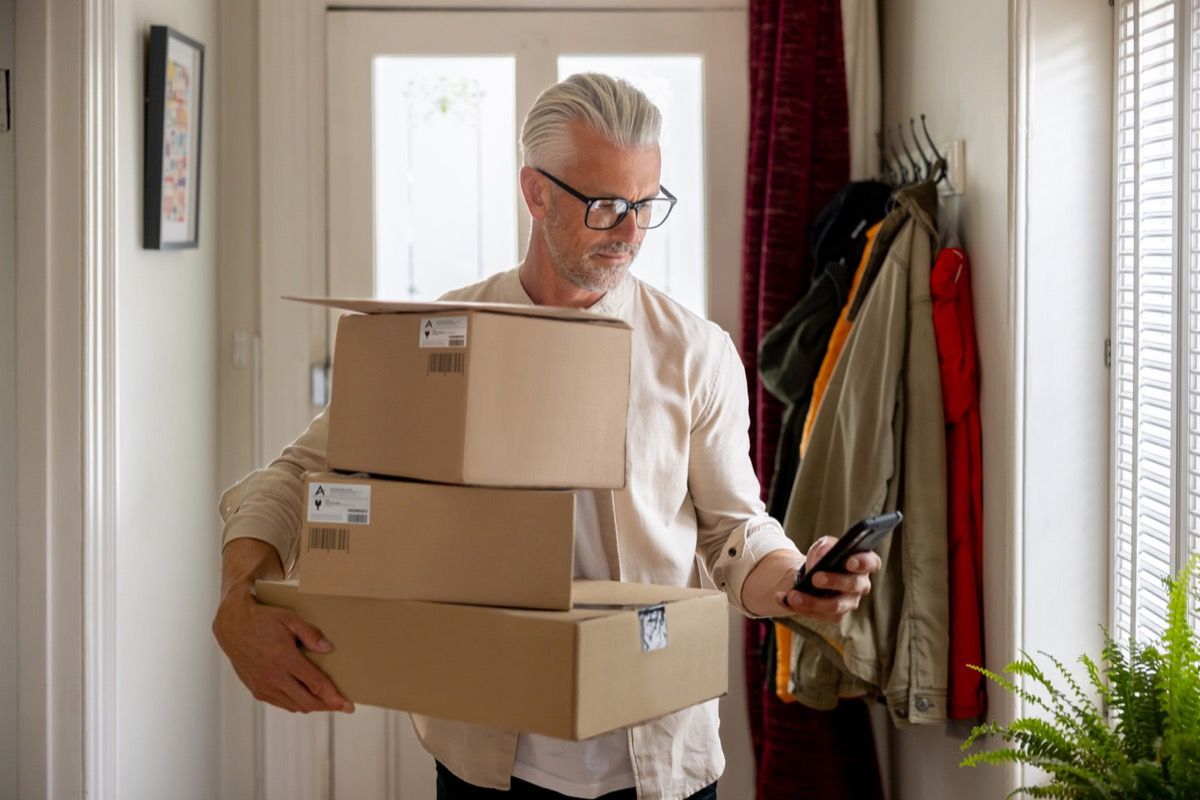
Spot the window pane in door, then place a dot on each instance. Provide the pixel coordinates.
(672, 257)
(445, 172)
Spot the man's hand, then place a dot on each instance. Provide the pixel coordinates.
(263, 643)
(768, 590)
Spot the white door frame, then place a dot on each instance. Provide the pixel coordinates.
(64, 113)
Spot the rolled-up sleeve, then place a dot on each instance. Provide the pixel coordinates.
(267, 503)
(735, 531)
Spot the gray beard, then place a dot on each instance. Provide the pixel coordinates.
(582, 273)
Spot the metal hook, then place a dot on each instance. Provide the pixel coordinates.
(912, 127)
(886, 171)
(899, 164)
(940, 159)
(911, 161)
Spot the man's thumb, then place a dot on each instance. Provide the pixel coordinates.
(309, 635)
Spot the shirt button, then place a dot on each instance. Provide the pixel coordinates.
(923, 704)
(733, 551)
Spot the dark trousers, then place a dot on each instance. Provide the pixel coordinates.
(451, 787)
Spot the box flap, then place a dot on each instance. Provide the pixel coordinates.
(370, 306)
(587, 593)
(590, 599)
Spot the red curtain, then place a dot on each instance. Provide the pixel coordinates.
(798, 158)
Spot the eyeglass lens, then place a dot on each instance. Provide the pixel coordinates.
(604, 214)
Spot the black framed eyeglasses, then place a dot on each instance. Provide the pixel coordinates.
(604, 213)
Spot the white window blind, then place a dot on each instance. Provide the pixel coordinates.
(1156, 326)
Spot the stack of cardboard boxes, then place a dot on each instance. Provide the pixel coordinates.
(437, 554)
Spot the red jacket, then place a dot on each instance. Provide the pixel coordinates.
(954, 329)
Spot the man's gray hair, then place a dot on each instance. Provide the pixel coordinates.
(613, 107)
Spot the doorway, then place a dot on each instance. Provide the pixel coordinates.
(429, 105)
(401, 84)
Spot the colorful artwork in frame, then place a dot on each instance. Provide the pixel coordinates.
(174, 93)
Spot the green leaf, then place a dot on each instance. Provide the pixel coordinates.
(1146, 746)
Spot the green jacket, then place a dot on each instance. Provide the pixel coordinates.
(878, 444)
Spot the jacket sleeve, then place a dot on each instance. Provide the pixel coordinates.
(735, 532)
(267, 503)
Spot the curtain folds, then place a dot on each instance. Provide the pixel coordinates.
(799, 156)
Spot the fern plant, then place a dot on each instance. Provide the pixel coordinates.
(1151, 746)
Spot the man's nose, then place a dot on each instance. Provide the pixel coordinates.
(628, 231)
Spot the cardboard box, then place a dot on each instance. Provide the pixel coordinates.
(368, 537)
(616, 659)
(483, 394)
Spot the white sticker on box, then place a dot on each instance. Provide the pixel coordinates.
(653, 621)
(444, 331)
(343, 503)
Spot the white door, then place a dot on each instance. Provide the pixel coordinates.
(423, 116)
(8, 418)
(424, 112)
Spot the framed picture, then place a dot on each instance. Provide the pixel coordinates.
(174, 94)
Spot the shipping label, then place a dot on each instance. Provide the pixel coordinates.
(653, 621)
(444, 331)
(340, 503)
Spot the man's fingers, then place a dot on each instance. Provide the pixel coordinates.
(309, 635)
(277, 699)
(301, 697)
(318, 683)
(828, 609)
(819, 548)
(843, 583)
(864, 563)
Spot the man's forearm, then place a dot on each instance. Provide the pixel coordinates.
(773, 573)
(245, 560)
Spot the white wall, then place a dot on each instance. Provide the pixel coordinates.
(167, 540)
(8, 433)
(934, 62)
(1041, 305)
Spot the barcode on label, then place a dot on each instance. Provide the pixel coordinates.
(445, 362)
(358, 517)
(329, 539)
(458, 341)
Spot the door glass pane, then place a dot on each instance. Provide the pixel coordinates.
(445, 172)
(673, 257)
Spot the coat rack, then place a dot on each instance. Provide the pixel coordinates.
(946, 165)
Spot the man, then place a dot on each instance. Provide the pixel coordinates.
(591, 182)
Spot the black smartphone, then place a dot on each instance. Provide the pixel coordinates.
(863, 535)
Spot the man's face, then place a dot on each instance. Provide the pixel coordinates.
(590, 259)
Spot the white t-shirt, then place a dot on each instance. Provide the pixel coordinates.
(602, 764)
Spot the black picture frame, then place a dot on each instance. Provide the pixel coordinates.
(174, 122)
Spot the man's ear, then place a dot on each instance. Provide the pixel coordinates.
(536, 192)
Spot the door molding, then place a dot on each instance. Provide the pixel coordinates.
(66, 398)
(1011, 622)
(66, 192)
(291, 148)
(100, 400)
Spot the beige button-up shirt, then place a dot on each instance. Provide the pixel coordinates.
(690, 490)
